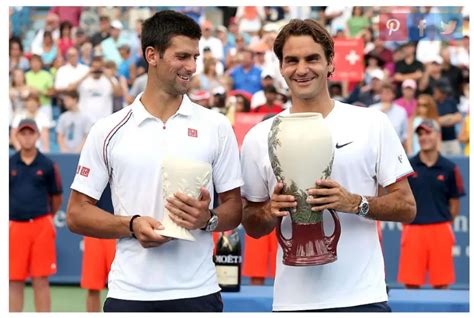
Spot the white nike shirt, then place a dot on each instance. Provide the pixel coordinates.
(368, 152)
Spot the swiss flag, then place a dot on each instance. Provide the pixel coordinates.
(348, 60)
(85, 171)
(192, 132)
(440, 177)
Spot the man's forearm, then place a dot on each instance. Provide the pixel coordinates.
(396, 206)
(230, 215)
(257, 219)
(87, 219)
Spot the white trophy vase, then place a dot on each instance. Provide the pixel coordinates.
(185, 176)
(301, 150)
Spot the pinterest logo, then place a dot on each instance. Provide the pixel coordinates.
(393, 27)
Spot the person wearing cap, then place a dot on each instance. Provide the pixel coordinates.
(111, 44)
(449, 117)
(259, 97)
(431, 75)
(427, 242)
(151, 272)
(425, 109)
(408, 99)
(201, 97)
(368, 155)
(369, 94)
(35, 195)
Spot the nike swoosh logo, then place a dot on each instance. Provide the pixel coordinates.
(343, 145)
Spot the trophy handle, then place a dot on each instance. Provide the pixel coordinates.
(334, 238)
(285, 244)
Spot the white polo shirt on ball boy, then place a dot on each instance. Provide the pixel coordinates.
(127, 149)
(368, 152)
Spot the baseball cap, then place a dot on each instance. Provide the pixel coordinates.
(200, 95)
(377, 73)
(271, 27)
(409, 83)
(221, 28)
(428, 125)
(266, 73)
(443, 85)
(436, 59)
(116, 24)
(28, 123)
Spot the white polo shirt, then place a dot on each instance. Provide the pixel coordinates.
(68, 74)
(371, 154)
(127, 149)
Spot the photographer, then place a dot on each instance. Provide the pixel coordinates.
(97, 91)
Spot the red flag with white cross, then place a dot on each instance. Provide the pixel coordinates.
(348, 60)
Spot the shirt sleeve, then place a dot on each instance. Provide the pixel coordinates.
(455, 184)
(226, 168)
(255, 188)
(91, 173)
(54, 180)
(392, 161)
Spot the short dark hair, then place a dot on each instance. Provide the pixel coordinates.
(298, 27)
(388, 86)
(36, 57)
(270, 89)
(158, 30)
(72, 93)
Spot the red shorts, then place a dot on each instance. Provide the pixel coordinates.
(260, 256)
(96, 262)
(427, 249)
(32, 248)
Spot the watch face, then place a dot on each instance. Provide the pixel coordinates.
(365, 208)
(212, 224)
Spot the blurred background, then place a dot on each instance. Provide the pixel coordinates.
(420, 54)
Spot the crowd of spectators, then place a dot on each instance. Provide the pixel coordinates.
(84, 63)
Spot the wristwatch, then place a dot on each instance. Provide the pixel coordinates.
(363, 206)
(212, 223)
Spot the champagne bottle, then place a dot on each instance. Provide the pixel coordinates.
(228, 261)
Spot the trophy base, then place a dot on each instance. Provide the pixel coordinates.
(182, 235)
(309, 260)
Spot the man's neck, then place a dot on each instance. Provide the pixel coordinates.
(159, 103)
(429, 157)
(323, 105)
(28, 155)
(409, 59)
